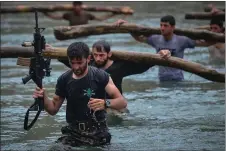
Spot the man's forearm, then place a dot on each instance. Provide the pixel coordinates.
(204, 43)
(57, 17)
(104, 17)
(118, 103)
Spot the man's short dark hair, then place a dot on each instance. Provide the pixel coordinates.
(75, 3)
(102, 44)
(217, 22)
(78, 50)
(170, 19)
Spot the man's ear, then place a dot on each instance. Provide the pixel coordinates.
(89, 58)
(69, 61)
(109, 54)
(173, 27)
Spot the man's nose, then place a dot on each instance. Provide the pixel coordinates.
(98, 58)
(76, 67)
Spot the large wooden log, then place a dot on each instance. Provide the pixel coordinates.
(67, 7)
(205, 16)
(139, 57)
(119, 10)
(204, 27)
(72, 32)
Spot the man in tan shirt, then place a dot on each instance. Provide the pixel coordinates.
(78, 16)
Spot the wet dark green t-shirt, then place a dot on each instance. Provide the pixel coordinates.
(79, 91)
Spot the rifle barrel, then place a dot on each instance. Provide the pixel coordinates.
(36, 21)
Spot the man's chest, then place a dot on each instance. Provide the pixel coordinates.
(174, 47)
(84, 89)
(78, 20)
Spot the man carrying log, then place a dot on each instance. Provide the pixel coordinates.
(168, 44)
(78, 16)
(217, 51)
(85, 89)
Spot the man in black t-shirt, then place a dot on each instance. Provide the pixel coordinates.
(84, 87)
(101, 52)
(78, 16)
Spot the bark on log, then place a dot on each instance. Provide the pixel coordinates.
(205, 16)
(204, 27)
(69, 7)
(139, 57)
(119, 10)
(72, 32)
(209, 9)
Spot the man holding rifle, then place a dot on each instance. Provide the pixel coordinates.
(85, 89)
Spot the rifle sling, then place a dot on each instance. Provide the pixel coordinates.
(26, 126)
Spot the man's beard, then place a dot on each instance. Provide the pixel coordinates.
(102, 64)
(80, 71)
(164, 33)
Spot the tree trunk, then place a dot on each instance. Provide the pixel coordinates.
(204, 27)
(72, 32)
(209, 9)
(66, 7)
(119, 10)
(138, 57)
(205, 16)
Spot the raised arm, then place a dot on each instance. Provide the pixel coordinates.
(53, 16)
(203, 43)
(107, 16)
(190, 43)
(140, 38)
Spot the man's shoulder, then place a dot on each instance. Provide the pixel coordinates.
(121, 63)
(96, 70)
(180, 37)
(98, 73)
(155, 36)
(117, 63)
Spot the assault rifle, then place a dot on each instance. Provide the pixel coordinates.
(38, 68)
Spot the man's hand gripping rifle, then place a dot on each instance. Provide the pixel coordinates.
(39, 67)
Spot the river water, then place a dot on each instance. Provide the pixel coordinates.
(163, 116)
